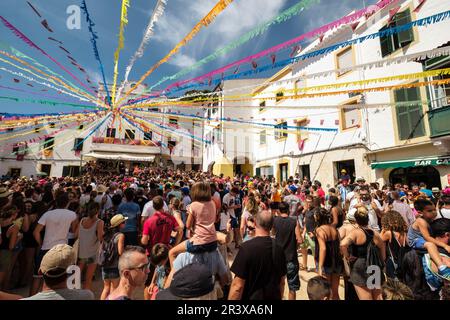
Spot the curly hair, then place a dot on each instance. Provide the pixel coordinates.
(393, 221)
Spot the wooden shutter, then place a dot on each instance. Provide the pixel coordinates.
(409, 117)
(407, 36)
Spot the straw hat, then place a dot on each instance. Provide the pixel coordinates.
(4, 192)
(117, 220)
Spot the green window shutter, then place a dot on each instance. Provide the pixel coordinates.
(409, 117)
(407, 36)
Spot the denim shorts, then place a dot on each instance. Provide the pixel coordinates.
(433, 280)
(234, 223)
(199, 248)
(110, 273)
(292, 276)
(90, 260)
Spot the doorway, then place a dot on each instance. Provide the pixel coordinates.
(416, 175)
(304, 171)
(347, 165)
(47, 168)
(283, 172)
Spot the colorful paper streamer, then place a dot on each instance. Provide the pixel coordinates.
(205, 22)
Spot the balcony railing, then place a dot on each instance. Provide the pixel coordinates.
(129, 142)
(439, 120)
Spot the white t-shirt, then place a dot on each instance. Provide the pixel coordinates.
(148, 210)
(108, 203)
(443, 213)
(57, 224)
(229, 200)
(373, 218)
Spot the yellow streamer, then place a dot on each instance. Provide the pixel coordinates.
(207, 20)
(431, 73)
(123, 23)
(48, 77)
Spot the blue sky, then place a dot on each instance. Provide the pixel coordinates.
(178, 19)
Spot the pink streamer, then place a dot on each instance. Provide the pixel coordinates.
(319, 31)
(28, 41)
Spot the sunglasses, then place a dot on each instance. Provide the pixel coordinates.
(250, 228)
(143, 268)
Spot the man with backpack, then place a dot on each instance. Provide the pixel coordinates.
(260, 265)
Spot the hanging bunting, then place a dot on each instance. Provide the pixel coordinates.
(295, 49)
(46, 26)
(259, 30)
(53, 39)
(29, 42)
(392, 13)
(208, 19)
(436, 18)
(289, 13)
(46, 102)
(419, 6)
(123, 23)
(34, 9)
(157, 13)
(94, 38)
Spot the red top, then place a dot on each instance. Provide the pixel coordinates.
(159, 227)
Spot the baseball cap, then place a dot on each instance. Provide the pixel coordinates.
(293, 188)
(60, 257)
(344, 171)
(360, 179)
(435, 190)
(193, 280)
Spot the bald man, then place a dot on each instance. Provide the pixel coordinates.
(259, 267)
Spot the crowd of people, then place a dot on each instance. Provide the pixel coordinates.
(172, 234)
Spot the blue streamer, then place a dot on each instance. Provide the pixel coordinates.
(140, 129)
(173, 130)
(92, 132)
(91, 25)
(246, 122)
(419, 23)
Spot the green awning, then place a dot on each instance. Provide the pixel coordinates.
(419, 162)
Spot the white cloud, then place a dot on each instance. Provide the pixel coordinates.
(182, 61)
(238, 18)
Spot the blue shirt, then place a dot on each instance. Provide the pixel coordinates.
(132, 211)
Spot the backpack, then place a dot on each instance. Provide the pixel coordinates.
(108, 253)
(373, 253)
(397, 263)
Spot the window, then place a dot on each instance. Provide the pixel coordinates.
(10, 129)
(409, 116)
(172, 144)
(46, 168)
(52, 125)
(129, 134)
(393, 42)
(262, 137)
(281, 132)
(71, 171)
(304, 171)
(350, 117)
(37, 129)
(301, 133)
(173, 121)
(80, 127)
(111, 132)
(262, 106)
(16, 149)
(279, 96)
(148, 135)
(49, 143)
(344, 59)
(78, 144)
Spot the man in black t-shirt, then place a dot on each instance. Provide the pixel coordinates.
(259, 267)
(288, 236)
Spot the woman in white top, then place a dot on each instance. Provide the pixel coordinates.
(90, 236)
